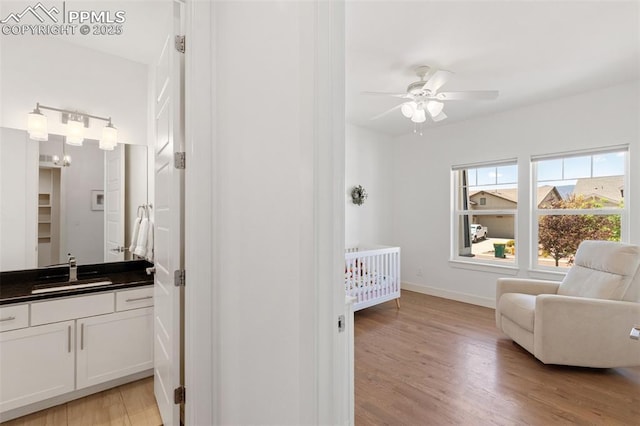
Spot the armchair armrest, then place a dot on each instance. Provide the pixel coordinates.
(525, 286)
(522, 285)
(585, 332)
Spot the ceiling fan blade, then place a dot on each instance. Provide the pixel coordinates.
(386, 112)
(397, 95)
(439, 117)
(471, 95)
(437, 80)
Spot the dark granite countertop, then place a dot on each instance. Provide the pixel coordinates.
(16, 286)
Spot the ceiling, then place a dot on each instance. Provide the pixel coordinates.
(531, 51)
(146, 25)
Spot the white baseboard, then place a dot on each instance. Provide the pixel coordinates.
(447, 294)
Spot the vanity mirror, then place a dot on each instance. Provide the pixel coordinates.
(59, 199)
(93, 76)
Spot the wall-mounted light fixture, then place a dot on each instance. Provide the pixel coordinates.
(76, 123)
(66, 159)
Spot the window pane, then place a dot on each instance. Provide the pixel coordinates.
(577, 167)
(493, 199)
(599, 192)
(472, 177)
(611, 164)
(487, 237)
(487, 176)
(551, 196)
(550, 170)
(490, 190)
(507, 174)
(560, 235)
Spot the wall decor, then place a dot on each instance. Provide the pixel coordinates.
(97, 199)
(358, 195)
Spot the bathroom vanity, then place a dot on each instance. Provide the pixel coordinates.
(61, 339)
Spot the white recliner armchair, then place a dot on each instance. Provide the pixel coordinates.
(583, 321)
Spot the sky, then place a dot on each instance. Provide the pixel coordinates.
(555, 172)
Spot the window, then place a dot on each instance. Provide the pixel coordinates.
(577, 197)
(485, 207)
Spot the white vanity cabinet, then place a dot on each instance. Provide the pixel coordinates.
(114, 345)
(36, 363)
(70, 344)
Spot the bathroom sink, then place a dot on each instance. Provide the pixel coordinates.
(70, 285)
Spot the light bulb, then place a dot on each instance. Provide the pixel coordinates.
(434, 108)
(109, 138)
(408, 109)
(37, 125)
(419, 116)
(75, 132)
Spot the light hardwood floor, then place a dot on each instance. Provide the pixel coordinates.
(132, 404)
(441, 362)
(433, 362)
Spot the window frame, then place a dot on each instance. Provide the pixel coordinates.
(457, 214)
(536, 212)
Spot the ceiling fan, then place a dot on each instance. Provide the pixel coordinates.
(423, 96)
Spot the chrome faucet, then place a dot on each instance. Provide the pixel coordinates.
(73, 269)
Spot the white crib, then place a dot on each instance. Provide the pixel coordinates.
(372, 275)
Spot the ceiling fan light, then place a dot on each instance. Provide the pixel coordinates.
(419, 116)
(434, 108)
(408, 108)
(37, 125)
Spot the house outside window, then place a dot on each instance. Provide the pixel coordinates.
(591, 204)
(485, 212)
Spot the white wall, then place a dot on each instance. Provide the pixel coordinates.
(63, 75)
(368, 160)
(18, 200)
(276, 213)
(422, 167)
(84, 227)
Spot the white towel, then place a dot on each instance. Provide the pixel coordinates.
(143, 236)
(149, 255)
(134, 235)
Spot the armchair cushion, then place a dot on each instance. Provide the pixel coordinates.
(519, 308)
(602, 270)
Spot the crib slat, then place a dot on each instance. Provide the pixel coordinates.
(372, 275)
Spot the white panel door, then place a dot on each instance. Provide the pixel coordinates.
(114, 345)
(114, 205)
(36, 363)
(169, 189)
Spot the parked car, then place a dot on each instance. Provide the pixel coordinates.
(478, 232)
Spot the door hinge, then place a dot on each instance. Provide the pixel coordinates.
(179, 395)
(341, 324)
(178, 278)
(179, 160)
(180, 43)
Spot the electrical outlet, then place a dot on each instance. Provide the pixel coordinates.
(419, 273)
